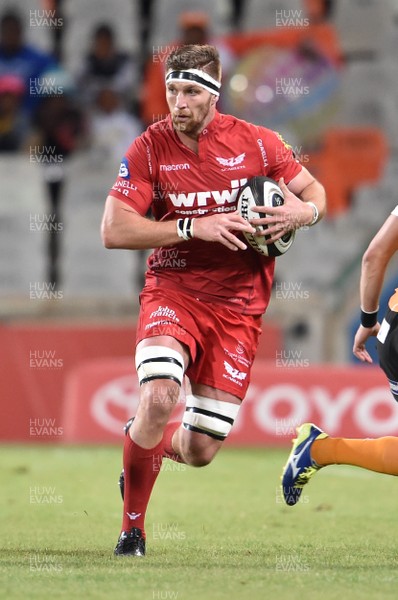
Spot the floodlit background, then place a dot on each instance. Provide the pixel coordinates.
(89, 80)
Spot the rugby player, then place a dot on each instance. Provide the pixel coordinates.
(205, 289)
(313, 448)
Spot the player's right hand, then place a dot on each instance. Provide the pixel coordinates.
(361, 336)
(220, 228)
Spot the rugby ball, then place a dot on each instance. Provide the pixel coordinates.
(262, 191)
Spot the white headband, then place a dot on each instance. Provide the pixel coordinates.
(199, 77)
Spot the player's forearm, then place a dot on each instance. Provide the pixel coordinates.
(141, 236)
(124, 229)
(374, 264)
(315, 192)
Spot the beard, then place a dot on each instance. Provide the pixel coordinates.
(193, 124)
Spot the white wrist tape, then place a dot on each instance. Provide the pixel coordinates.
(185, 228)
(315, 213)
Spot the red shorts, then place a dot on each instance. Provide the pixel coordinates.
(222, 343)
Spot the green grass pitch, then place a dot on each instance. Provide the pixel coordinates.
(221, 532)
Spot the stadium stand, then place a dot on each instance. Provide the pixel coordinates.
(23, 250)
(349, 158)
(390, 42)
(83, 17)
(340, 241)
(368, 97)
(258, 14)
(322, 165)
(165, 18)
(359, 24)
(360, 153)
(88, 270)
(371, 204)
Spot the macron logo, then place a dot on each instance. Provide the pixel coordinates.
(177, 167)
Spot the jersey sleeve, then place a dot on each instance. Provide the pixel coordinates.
(281, 158)
(134, 183)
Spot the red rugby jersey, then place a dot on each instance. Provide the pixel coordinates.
(160, 173)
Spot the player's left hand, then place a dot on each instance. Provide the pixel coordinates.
(293, 214)
(361, 336)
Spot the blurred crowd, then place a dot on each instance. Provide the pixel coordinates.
(115, 94)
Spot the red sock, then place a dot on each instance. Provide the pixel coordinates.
(168, 450)
(141, 468)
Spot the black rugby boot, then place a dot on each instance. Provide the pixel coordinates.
(130, 543)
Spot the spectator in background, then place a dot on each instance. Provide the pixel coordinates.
(105, 65)
(236, 7)
(18, 58)
(13, 123)
(58, 131)
(321, 36)
(111, 130)
(318, 11)
(111, 126)
(194, 29)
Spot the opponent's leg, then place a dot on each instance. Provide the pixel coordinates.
(160, 370)
(379, 454)
(314, 449)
